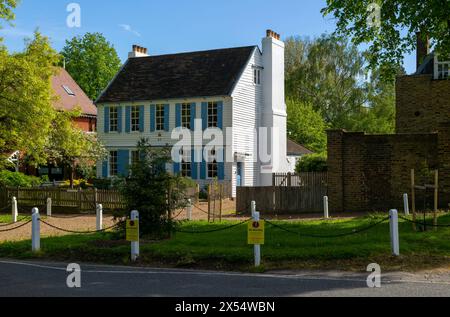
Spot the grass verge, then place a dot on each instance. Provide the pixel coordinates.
(228, 250)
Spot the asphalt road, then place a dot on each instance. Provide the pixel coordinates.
(40, 279)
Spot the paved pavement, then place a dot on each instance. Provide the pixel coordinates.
(40, 279)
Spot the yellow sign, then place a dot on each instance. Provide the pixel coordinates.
(132, 230)
(256, 232)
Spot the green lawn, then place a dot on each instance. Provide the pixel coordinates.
(4, 219)
(229, 250)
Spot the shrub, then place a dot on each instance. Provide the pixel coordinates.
(312, 163)
(15, 179)
(152, 191)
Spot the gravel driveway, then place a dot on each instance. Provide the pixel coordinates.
(82, 223)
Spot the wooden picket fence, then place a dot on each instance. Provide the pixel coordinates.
(290, 194)
(68, 200)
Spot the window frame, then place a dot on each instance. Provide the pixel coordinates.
(186, 114)
(160, 117)
(135, 121)
(212, 169)
(213, 114)
(257, 76)
(113, 169)
(113, 119)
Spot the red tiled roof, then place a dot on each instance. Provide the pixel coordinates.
(70, 102)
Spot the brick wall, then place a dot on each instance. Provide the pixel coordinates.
(422, 104)
(372, 172)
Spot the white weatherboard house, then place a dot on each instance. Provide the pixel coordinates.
(240, 88)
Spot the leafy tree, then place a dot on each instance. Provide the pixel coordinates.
(398, 24)
(92, 62)
(306, 126)
(26, 96)
(152, 191)
(15, 179)
(329, 74)
(312, 163)
(6, 9)
(72, 147)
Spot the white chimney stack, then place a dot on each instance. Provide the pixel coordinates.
(274, 111)
(138, 51)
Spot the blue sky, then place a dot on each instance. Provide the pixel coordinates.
(172, 26)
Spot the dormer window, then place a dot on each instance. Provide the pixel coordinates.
(68, 90)
(441, 69)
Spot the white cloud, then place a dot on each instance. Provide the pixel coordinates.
(128, 28)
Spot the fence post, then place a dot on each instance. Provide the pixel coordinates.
(35, 231)
(14, 209)
(99, 217)
(257, 247)
(135, 244)
(253, 208)
(406, 204)
(49, 207)
(395, 242)
(325, 208)
(189, 210)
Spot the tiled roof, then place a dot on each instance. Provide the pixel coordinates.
(295, 149)
(66, 101)
(185, 75)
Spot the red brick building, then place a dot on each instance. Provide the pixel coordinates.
(70, 97)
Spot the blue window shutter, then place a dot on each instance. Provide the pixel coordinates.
(178, 115)
(106, 119)
(194, 165)
(127, 119)
(141, 118)
(220, 115)
(176, 168)
(105, 169)
(167, 118)
(123, 162)
(152, 118)
(119, 119)
(205, 115)
(221, 167)
(193, 115)
(203, 168)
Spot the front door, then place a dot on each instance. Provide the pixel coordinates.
(239, 175)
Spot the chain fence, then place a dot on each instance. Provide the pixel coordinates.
(215, 230)
(425, 224)
(17, 227)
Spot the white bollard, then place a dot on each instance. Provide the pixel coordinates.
(15, 212)
(257, 247)
(135, 245)
(326, 214)
(406, 204)
(49, 207)
(395, 241)
(99, 217)
(35, 231)
(253, 208)
(189, 210)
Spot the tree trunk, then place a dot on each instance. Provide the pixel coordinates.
(72, 169)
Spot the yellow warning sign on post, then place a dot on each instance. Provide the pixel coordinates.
(132, 230)
(256, 232)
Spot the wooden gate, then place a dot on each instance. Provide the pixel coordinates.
(291, 194)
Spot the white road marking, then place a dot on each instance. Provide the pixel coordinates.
(199, 273)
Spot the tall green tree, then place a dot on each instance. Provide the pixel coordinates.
(69, 146)
(306, 126)
(394, 34)
(6, 9)
(26, 96)
(329, 74)
(92, 62)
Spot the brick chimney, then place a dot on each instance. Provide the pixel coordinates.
(423, 47)
(138, 51)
